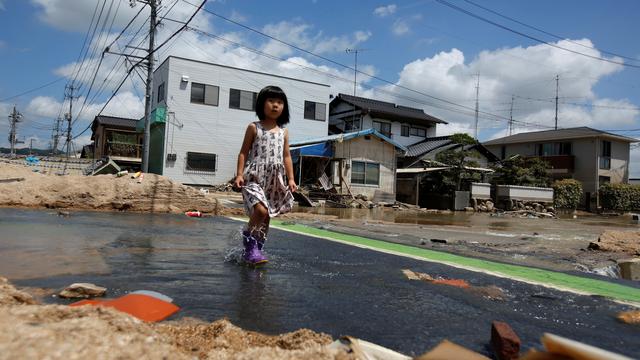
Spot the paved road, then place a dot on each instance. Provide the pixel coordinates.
(325, 286)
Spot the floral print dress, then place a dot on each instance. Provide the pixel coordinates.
(264, 174)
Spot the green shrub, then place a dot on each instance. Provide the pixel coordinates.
(567, 194)
(623, 197)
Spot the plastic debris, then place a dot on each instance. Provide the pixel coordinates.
(140, 305)
(193, 214)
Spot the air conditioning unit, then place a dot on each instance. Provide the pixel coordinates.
(172, 157)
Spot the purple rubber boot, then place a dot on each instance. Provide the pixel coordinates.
(252, 254)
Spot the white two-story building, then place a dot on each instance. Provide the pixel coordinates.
(201, 112)
(402, 124)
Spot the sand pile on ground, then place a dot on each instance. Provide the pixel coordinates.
(102, 192)
(627, 242)
(29, 331)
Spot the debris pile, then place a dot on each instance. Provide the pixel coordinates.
(627, 242)
(145, 193)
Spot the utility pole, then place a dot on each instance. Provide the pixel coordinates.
(511, 117)
(69, 89)
(355, 67)
(153, 4)
(14, 119)
(31, 146)
(55, 136)
(477, 104)
(557, 81)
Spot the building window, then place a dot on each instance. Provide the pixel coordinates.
(404, 130)
(553, 149)
(352, 125)
(605, 155)
(201, 162)
(383, 127)
(365, 173)
(604, 179)
(503, 152)
(315, 111)
(204, 94)
(419, 132)
(242, 100)
(160, 93)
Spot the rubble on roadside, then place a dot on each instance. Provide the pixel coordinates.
(627, 242)
(82, 291)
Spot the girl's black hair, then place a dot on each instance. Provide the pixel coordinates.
(272, 92)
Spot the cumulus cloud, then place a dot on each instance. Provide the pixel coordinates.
(403, 26)
(383, 11)
(300, 34)
(527, 72)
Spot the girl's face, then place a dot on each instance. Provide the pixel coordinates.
(273, 108)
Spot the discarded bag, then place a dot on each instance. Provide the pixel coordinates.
(193, 214)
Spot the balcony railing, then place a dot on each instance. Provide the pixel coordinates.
(115, 148)
(558, 162)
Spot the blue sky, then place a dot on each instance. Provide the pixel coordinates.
(431, 50)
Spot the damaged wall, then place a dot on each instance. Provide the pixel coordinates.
(369, 149)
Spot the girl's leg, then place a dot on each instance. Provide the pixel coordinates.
(264, 230)
(259, 215)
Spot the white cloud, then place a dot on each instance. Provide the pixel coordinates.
(383, 11)
(403, 26)
(526, 72)
(400, 27)
(2, 7)
(236, 16)
(73, 15)
(299, 34)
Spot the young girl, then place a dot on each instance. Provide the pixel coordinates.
(263, 161)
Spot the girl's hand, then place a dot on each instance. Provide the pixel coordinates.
(292, 186)
(238, 183)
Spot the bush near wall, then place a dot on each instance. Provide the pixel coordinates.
(623, 197)
(567, 193)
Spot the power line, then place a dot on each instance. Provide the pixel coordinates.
(457, 8)
(548, 33)
(468, 112)
(32, 90)
(342, 65)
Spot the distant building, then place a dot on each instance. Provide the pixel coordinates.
(362, 162)
(117, 138)
(402, 124)
(590, 156)
(634, 181)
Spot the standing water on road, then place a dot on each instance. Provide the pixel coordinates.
(309, 282)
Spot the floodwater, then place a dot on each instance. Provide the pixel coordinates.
(312, 283)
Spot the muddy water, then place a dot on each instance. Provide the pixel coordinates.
(328, 287)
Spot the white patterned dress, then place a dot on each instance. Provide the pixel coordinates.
(264, 174)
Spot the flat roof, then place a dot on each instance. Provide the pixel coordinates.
(237, 68)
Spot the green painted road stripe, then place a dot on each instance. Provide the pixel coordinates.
(547, 278)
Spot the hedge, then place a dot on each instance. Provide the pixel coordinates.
(567, 193)
(622, 197)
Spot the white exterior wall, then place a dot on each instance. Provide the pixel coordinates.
(367, 123)
(219, 129)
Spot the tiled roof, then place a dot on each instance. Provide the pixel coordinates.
(114, 121)
(387, 110)
(560, 134)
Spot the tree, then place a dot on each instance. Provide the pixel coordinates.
(459, 161)
(518, 170)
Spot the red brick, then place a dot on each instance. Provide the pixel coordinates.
(504, 341)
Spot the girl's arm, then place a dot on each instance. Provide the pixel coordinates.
(288, 163)
(249, 135)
